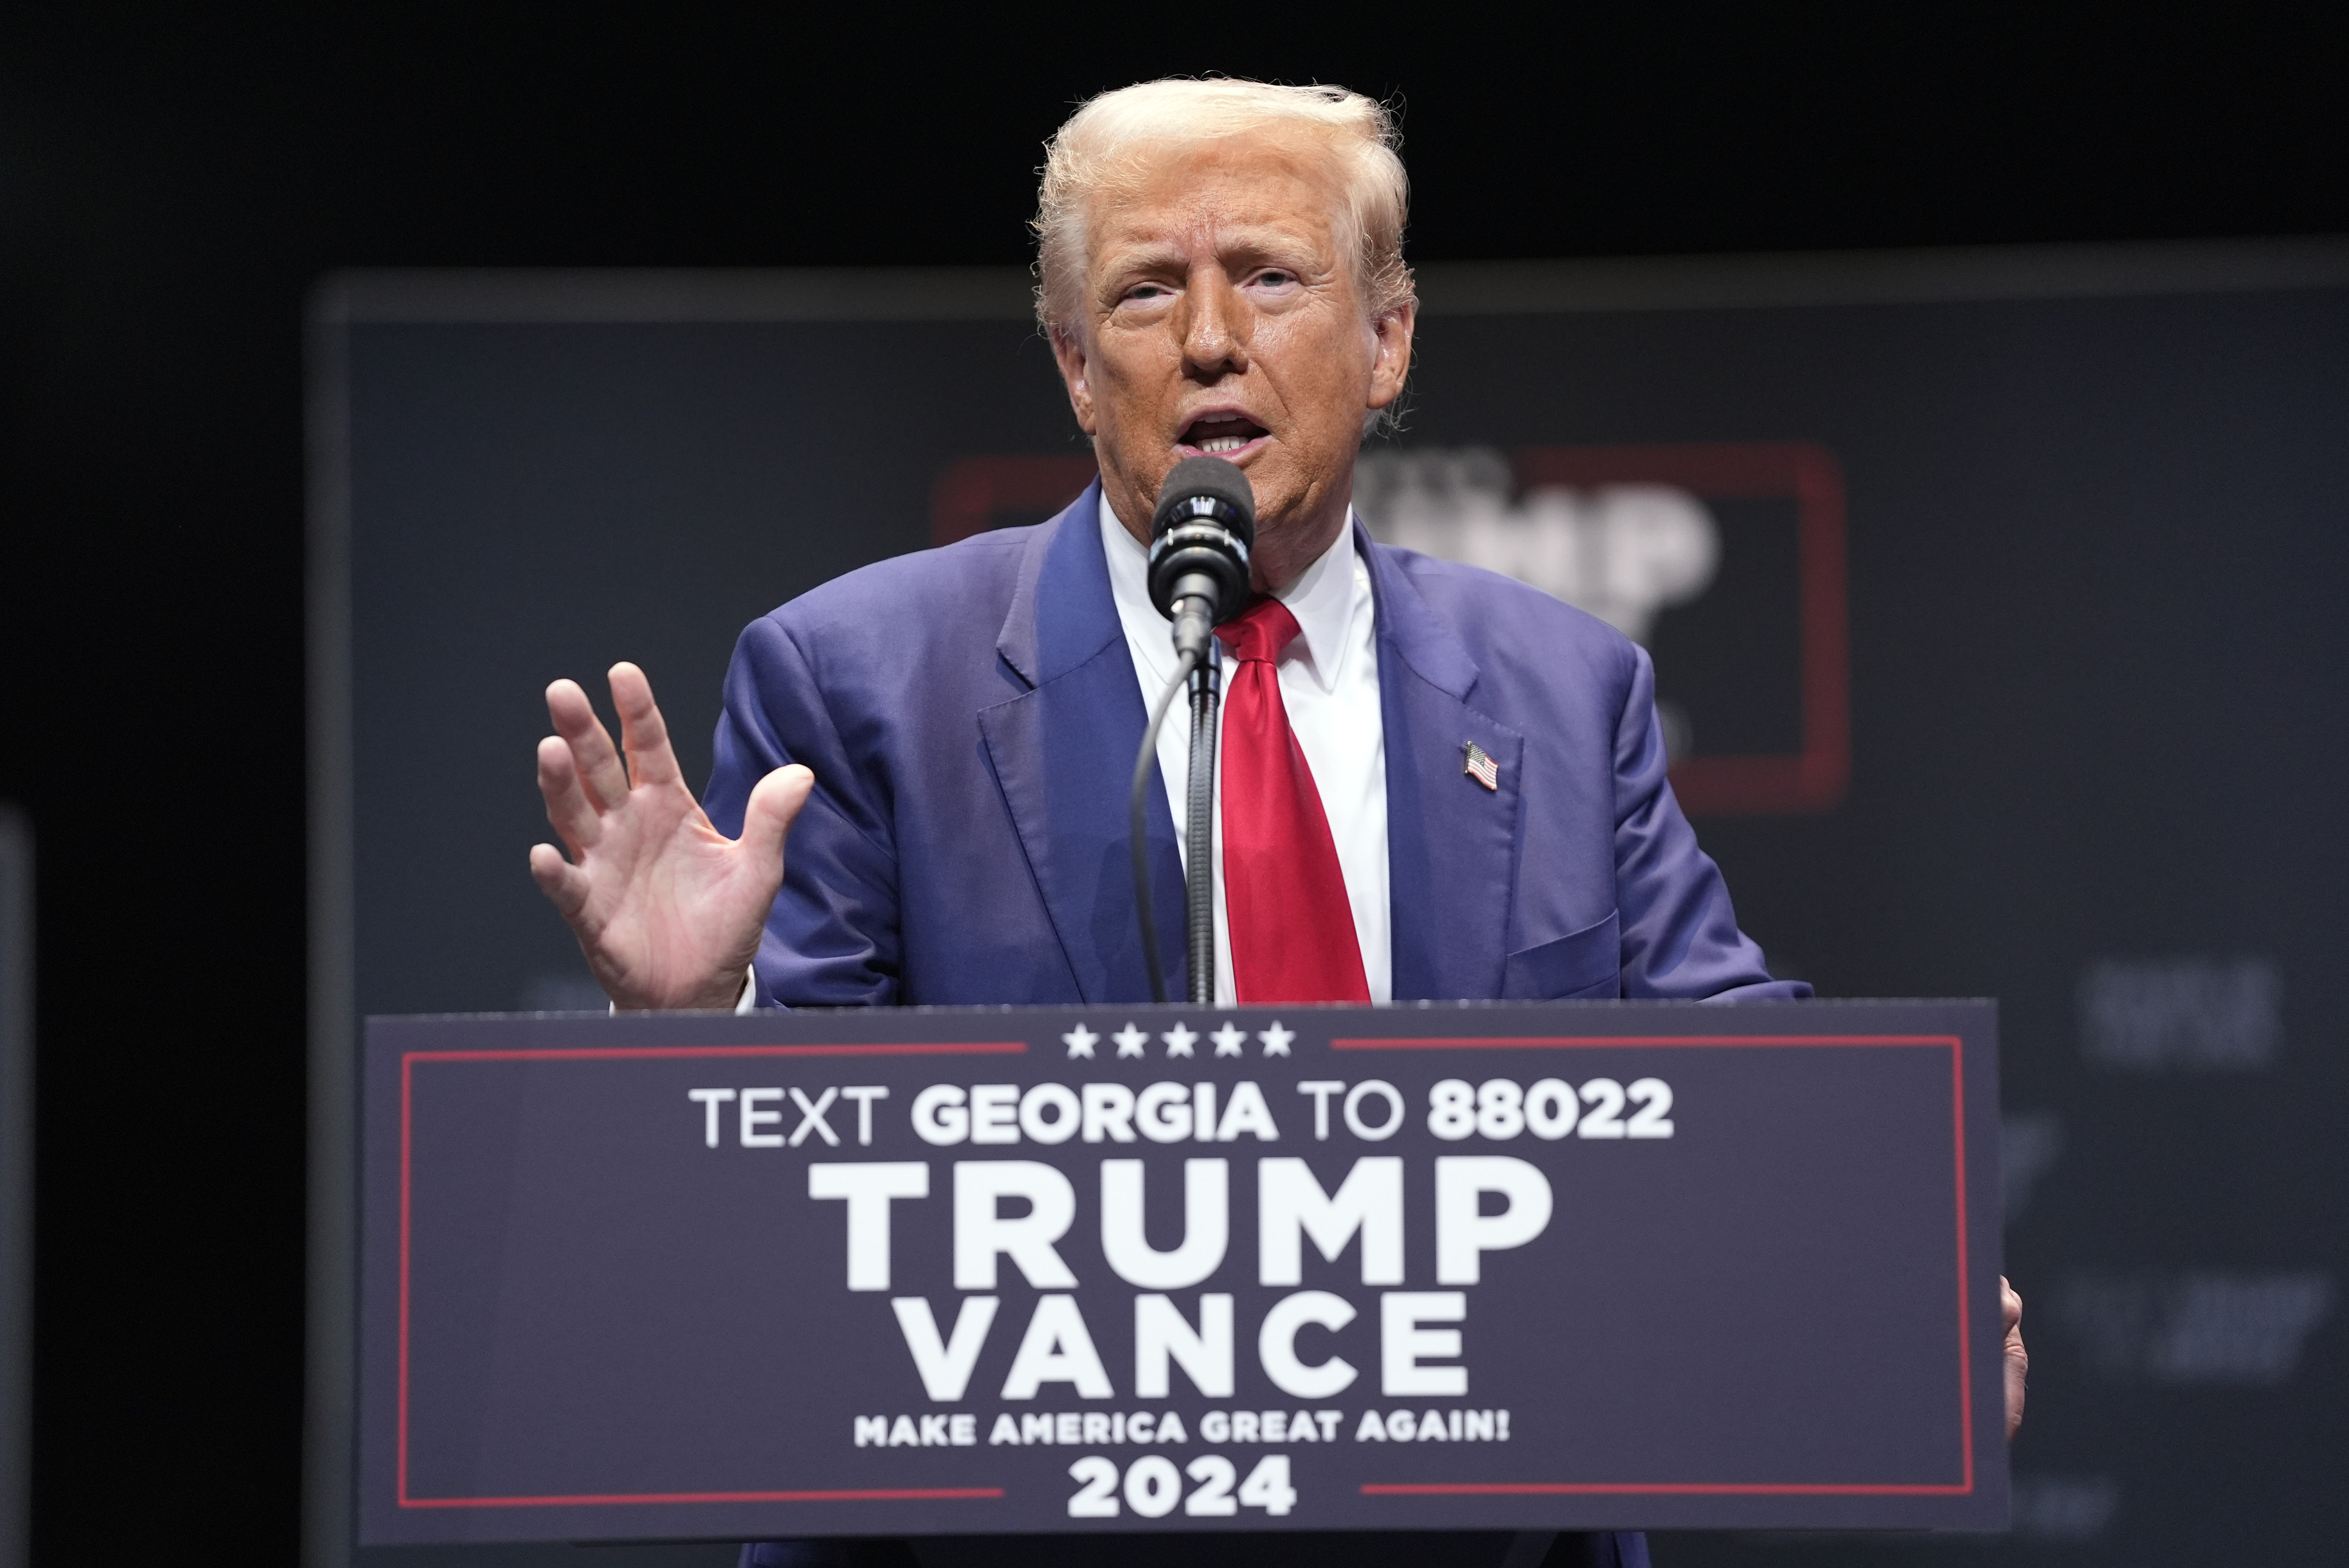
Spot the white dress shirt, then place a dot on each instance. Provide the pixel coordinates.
(1328, 684)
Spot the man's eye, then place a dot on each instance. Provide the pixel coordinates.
(1144, 293)
(1275, 279)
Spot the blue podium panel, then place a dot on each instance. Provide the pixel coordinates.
(958, 1270)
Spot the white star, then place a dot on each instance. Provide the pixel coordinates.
(1129, 1041)
(1276, 1039)
(1178, 1039)
(1228, 1039)
(1080, 1041)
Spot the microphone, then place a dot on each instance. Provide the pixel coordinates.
(1199, 541)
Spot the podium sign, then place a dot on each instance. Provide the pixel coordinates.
(959, 1271)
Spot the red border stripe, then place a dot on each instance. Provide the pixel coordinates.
(893, 1494)
(1390, 1488)
(407, 1124)
(1649, 1489)
(650, 1053)
(1577, 1042)
(1965, 1351)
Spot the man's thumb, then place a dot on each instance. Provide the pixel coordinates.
(773, 806)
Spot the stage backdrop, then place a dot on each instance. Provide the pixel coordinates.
(1997, 606)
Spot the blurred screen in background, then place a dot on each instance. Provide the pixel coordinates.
(1995, 606)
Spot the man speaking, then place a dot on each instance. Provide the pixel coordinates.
(1435, 783)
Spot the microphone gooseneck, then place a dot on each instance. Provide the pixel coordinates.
(1200, 535)
(1137, 811)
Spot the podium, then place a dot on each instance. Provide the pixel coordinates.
(1558, 1265)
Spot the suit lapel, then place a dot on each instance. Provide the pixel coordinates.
(1452, 844)
(1062, 753)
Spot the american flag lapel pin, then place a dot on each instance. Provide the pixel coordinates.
(1478, 764)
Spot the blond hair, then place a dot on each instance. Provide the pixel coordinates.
(1110, 140)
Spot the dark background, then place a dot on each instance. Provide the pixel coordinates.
(170, 190)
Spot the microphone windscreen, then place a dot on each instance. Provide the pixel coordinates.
(1215, 480)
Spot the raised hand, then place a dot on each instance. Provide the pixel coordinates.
(667, 908)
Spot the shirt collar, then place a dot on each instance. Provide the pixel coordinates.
(1323, 598)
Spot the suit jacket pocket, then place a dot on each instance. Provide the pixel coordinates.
(1586, 963)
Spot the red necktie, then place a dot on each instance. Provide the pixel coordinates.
(1292, 929)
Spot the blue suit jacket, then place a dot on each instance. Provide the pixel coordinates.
(972, 716)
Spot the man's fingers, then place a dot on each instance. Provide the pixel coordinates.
(643, 733)
(564, 884)
(2018, 1359)
(773, 806)
(598, 764)
(568, 811)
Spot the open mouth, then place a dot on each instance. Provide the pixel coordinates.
(1220, 435)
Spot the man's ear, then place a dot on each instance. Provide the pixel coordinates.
(1069, 350)
(1390, 339)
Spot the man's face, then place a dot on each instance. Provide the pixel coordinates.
(1221, 315)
